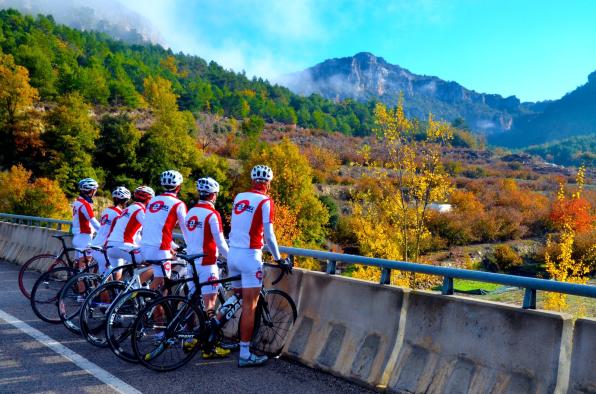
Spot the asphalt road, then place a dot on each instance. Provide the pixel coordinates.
(71, 365)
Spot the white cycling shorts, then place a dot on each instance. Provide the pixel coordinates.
(154, 253)
(249, 264)
(119, 257)
(81, 241)
(206, 273)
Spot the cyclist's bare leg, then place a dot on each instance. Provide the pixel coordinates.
(83, 262)
(209, 301)
(250, 296)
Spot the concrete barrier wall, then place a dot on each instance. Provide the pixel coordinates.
(341, 330)
(454, 344)
(405, 341)
(18, 243)
(583, 358)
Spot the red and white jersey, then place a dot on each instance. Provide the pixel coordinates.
(128, 225)
(83, 218)
(250, 211)
(108, 216)
(162, 215)
(203, 224)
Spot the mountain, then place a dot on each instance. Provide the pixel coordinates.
(572, 115)
(106, 16)
(365, 76)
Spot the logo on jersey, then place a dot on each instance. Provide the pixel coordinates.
(259, 275)
(158, 206)
(242, 206)
(193, 223)
(212, 278)
(104, 220)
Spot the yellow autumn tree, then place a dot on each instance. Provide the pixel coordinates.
(561, 265)
(16, 98)
(391, 209)
(21, 194)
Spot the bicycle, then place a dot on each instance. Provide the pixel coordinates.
(33, 268)
(79, 287)
(124, 310)
(45, 292)
(164, 326)
(93, 314)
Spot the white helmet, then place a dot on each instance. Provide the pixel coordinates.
(207, 185)
(170, 179)
(121, 193)
(88, 184)
(144, 193)
(261, 173)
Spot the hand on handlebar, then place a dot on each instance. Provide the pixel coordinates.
(285, 264)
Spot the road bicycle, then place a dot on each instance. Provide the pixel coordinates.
(163, 330)
(124, 310)
(80, 286)
(47, 288)
(36, 265)
(93, 313)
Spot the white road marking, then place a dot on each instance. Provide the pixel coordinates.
(78, 360)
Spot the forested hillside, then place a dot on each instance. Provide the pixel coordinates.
(109, 72)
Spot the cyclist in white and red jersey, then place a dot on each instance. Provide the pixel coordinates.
(252, 225)
(204, 235)
(162, 215)
(127, 228)
(84, 223)
(120, 197)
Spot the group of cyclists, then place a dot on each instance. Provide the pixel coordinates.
(147, 225)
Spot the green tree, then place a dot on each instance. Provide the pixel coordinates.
(116, 149)
(70, 142)
(169, 142)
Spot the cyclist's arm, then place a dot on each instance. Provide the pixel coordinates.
(217, 232)
(270, 239)
(181, 215)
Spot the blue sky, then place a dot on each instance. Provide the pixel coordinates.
(533, 49)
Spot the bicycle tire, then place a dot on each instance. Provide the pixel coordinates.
(69, 307)
(30, 271)
(274, 318)
(142, 342)
(92, 317)
(120, 321)
(44, 296)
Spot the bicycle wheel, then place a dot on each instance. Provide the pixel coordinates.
(33, 268)
(161, 331)
(274, 318)
(73, 295)
(120, 319)
(93, 315)
(44, 296)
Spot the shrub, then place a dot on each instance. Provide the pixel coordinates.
(21, 195)
(504, 258)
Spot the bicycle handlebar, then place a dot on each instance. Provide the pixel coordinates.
(283, 270)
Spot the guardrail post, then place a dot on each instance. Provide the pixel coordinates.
(331, 267)
(529, 299)
(447, 288)
(386, 276)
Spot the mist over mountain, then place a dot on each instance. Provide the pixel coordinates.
(365, 76)
(106, 16)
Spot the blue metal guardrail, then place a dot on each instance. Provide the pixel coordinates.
(531, 285)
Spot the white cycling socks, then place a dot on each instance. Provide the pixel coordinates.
(244, 349)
